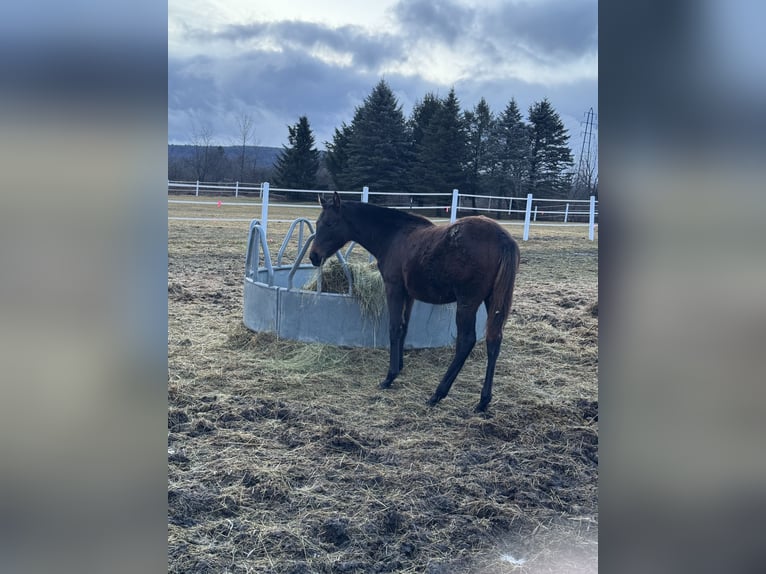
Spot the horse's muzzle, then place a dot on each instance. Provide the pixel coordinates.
(315, 258)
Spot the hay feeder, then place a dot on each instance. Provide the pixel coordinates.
(276, 302)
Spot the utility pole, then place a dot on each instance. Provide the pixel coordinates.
(584, 168)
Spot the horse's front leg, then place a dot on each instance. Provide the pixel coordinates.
(407, 312)
(396, 304)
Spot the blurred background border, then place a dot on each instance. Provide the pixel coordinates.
(83, 301)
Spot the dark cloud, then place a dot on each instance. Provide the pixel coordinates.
(365, 50)
(441, 19)
(277, 88)
(278, 71)
(550, 28)
(555, 28)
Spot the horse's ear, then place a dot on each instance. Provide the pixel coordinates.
(335, 200)
(321, 200)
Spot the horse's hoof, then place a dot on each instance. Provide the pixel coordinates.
(385, 384)
(433, 401)
(480, 409)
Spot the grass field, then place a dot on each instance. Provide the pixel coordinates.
(286, 457)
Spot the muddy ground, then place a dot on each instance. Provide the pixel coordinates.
(287, 458)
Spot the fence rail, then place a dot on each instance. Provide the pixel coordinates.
(557, 212)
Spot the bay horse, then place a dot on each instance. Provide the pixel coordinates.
(471, 261)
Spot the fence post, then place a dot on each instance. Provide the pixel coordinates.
(535, 218)
(566, 213)
(366, 199)
(591, 216)
(527, 215)
(236, 190)
(453, 210)
(197, 192)
(265, 207)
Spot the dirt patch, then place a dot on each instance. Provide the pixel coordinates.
(287, 458)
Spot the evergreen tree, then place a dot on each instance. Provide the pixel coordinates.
(512, 137)
(440, 153)
(453, 135)
(550, 156)
(336, 159)
(298, 164)
(479, 165)
(378, 144)
(423, 114)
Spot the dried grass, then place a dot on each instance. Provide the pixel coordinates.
(366, 285)
(286, 457)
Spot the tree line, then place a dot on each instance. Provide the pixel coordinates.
(205, 161)
(438, 148)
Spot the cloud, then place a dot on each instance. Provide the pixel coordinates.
(276, 88)
(351, 46)
(279, 70)
(562, 28)
(555, 28)
(439, 20)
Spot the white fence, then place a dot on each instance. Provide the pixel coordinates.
(556, 212)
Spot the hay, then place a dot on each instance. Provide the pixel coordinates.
(286, 457)
(367, 285)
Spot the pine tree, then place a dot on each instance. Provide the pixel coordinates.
(422, 114)
(512, 139)
(479, 166)
(453, 136)
(378, 144)
(419, 175)
(297, 165)
(550, 156)
(336, 159)
(439, 156)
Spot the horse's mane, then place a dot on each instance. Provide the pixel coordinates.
(391, 217)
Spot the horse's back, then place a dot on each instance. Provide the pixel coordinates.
(443, 263)
(480, 231)
(472, 240)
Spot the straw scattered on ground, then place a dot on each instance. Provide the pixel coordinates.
(285, 457)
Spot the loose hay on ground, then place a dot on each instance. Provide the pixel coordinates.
(286, 457)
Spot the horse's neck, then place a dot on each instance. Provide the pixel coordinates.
(374, 228)
(368, 230)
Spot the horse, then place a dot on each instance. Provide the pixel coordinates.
(470, 262)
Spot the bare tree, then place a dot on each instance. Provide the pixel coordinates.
(202, 156)
(586, 178)
(246, 128)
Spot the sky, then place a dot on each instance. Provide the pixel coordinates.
(279, 60)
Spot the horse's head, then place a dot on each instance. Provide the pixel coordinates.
(332, 231)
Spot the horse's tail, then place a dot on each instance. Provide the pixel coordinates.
(502, 290)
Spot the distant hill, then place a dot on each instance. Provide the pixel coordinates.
(265, 157)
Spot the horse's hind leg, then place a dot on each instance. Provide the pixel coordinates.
(493, 350)
(466, 339)
(494, 340)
